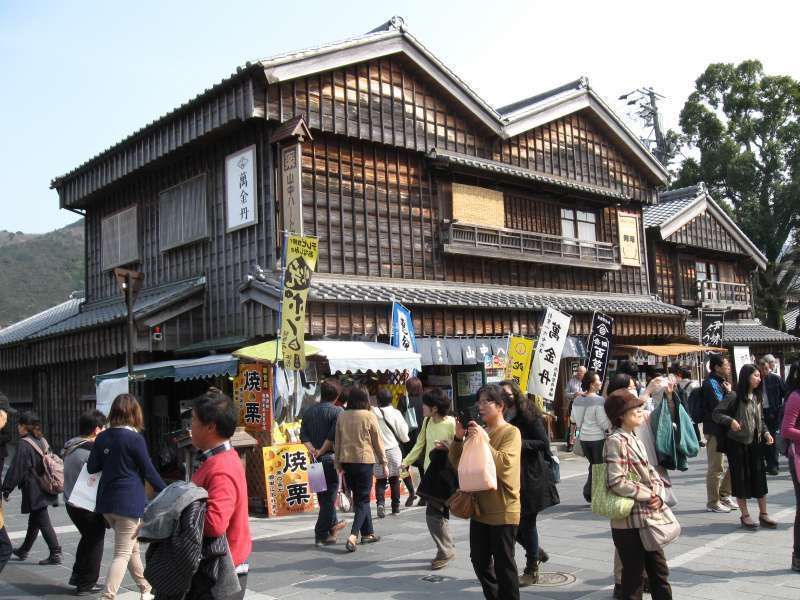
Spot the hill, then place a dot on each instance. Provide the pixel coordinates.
(38, 271)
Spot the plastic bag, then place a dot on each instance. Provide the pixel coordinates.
(476, 469)
(84, 492)
(316, 478)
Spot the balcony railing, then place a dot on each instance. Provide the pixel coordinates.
(721, 294)
(512, 244)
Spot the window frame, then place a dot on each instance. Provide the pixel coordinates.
(575, 220)
(184, 241)
(120, 261)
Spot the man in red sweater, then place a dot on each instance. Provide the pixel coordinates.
(214, 419)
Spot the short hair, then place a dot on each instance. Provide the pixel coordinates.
(126, 411)
(715, 360)
(627, 366)
(384, 398)
(684, 372)
(588, 379)
(89, 421)
(620, 381)
(31, 421)
(493, 394)
(356, 398)
(763, 362)
(216, 408)
(436, 398)
(414, 386)
(674, 369)
(329, 390)
(769, 358)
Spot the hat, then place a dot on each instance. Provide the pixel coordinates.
(6, 405)
(619, 402)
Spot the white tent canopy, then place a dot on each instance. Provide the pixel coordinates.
(355, 357)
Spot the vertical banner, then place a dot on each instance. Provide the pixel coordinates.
(520, 354)
(741, 357)
(549, 346)
(600, 341)
(286, 476)
(712, 327)
(253, 392)
(630, 255)
(240, 189)
(301, 260)
(402, 331)
(292, 189)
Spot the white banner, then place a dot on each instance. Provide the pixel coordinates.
(240, 188)
(741, 357)
(546, 358)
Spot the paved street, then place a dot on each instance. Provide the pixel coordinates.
(712, 559)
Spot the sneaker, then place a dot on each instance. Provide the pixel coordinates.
(718, 508)
(88, 591)
(772, 471)
(441, 563)
(147, 596)
(729, 502)
(53, 559)
(410, 500)
(18, 555)
(381, 511)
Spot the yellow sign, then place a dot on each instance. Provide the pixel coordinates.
(301, 260)
(520, 353)
(286, 475)
(629, 240)
(252, 390)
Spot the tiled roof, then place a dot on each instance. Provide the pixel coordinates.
(107, 311)
(338, 289)
(790, 318)
(525, 103)
(666, 209)
(22, 329)
(746, 332)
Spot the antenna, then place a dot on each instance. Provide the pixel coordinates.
(644, 107)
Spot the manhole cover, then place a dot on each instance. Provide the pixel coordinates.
(435, 578)
(555, 579)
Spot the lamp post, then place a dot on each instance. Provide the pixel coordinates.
(129, 282)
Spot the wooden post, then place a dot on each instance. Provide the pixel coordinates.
(130, 282)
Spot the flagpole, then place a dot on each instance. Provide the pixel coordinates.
(280, 322)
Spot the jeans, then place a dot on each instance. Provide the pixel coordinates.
(796, 482)
(126, 556)
(438, 521)
(359, 480)
(773, 425)
(89, 553)
(5, 548)
(491, 549)
(327, 518)
(528, 538)
(635, 559)
(715, 490)
(380, 491)
(39, 520)
(593, 451)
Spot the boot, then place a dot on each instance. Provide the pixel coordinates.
(381, 510)
(53, 559)
(19, 554)
(543, 556)
(530, 576)
(795, 563)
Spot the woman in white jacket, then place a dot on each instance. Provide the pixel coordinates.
(394, 431)
(592, 423)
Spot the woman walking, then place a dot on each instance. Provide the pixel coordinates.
(493, 531)
(537, 486)
(437, 426)
(790, 431)
(121, 454)
(626, 461)
(592, 424)
(358, 448)
(394, 431)
(740, 417)
(25, 472)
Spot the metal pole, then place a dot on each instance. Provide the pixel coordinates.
(131, 328)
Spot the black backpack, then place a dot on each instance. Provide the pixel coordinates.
(696, 405)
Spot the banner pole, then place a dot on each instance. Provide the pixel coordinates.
(280, 320)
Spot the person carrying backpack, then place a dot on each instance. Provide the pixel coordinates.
(35, 470)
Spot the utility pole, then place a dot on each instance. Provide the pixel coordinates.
(129, 282)
(645, 101)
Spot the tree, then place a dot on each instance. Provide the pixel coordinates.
(745, 128)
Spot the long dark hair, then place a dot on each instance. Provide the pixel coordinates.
(793, 379)
(529, 411)
(743, 384)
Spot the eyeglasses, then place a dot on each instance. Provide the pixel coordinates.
(484, 402)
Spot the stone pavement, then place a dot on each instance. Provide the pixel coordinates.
(713, 559)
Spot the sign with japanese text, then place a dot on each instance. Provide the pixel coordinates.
(629, 251)
(520, 354)
(600, 341)
(301, 260)
(241, 188)
(292, 189)
(546, 358)
(741, 357)
(402, 335)
(286, 476)
(253, 393)
(712, 327)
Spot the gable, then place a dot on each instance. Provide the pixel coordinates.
(706, 231)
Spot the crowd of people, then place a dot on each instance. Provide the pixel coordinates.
(632, 436)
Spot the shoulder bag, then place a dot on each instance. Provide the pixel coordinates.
(464, 505)
(660, 532)
(605, 502)
(389, 425)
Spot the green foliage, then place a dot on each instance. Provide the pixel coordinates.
(745, 125)
(40, 271)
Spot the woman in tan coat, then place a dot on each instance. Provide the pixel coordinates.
(358, 447)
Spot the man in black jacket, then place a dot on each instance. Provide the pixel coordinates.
(715, 387)
(774, 394)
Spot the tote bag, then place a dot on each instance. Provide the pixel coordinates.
(658, 534)
(84, 492)
(605, 502)
(476, 469)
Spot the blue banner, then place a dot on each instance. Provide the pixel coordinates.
(403, 336)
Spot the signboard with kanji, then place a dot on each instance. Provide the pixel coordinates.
(240, 188)
(600, 342)
(712, 327)
(520, 353)
(253, 393)
(286, 476)
(546, 358)
(292, 189)
(301, 260)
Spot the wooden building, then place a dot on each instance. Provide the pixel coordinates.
(700, 260)
(476, 218)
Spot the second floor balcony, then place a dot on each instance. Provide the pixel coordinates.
(723, 294)
(512, 244)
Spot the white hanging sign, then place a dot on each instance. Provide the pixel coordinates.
(546, 358)
(241, 188)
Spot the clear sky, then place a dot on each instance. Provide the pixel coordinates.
(76, 77)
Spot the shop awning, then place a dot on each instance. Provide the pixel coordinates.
(670, 349)
(179, 370)
(270, 351)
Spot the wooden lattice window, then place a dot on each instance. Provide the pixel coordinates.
(183, 214)
(120, 238)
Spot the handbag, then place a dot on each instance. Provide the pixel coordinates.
(344, 501)
(316, 477)
(410, 415)
(605, 502)
(464, 505)
(84, 492)
(658, 534)
(577, 449)
(555, 468)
